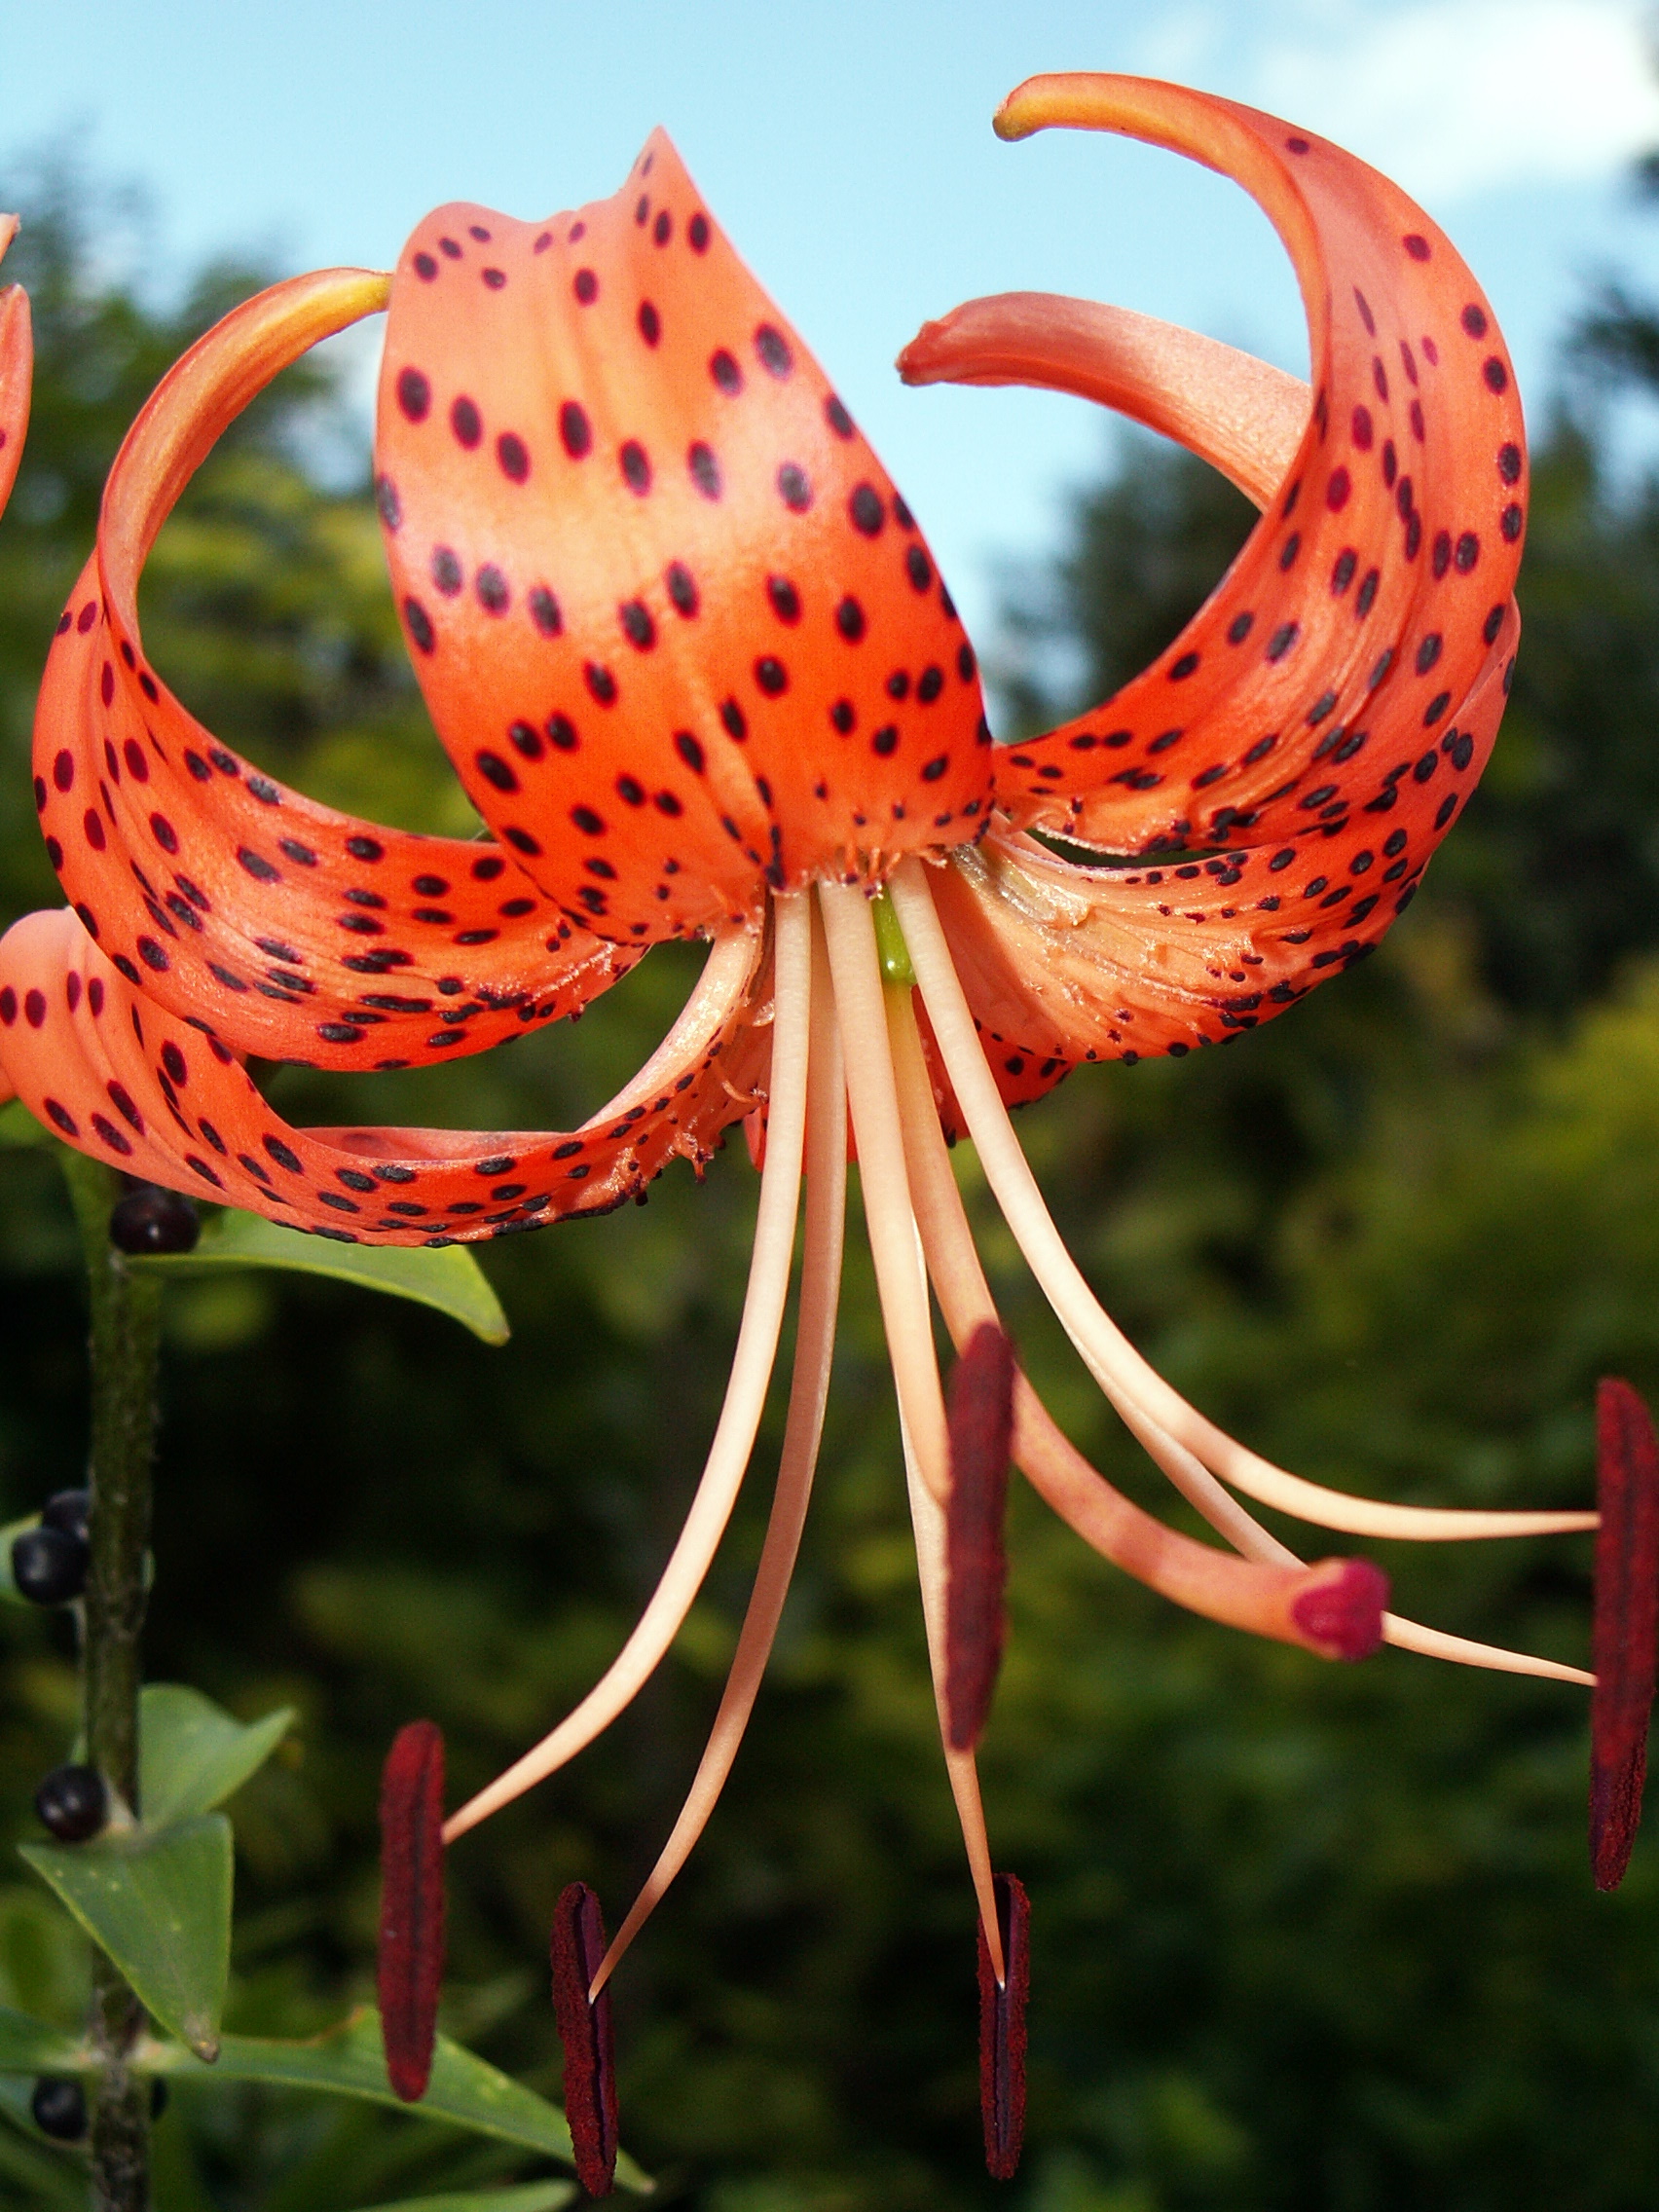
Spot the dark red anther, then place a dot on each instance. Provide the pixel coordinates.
(981, 1417)
(584, 2030)
(1625, 1624)
(1002, 2029)
(412, 1904)
(1344, 1615)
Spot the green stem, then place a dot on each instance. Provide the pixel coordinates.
(126, 1313)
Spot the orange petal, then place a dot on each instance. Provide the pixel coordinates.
(1242, 416)
(1062, 963)
(16, 367)
(627, 500)
(145, 1089)
(1367, 603)
(295, 932)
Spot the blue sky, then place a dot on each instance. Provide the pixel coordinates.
(847, 149)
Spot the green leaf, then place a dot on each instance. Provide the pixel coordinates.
(30, 2046)
(193, 1754)
(450, 1279)
(534, 2196)
(160, 1905)
(349, 2062)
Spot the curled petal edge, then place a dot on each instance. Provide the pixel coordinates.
(122, 1080)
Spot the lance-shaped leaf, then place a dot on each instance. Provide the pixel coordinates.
(30, 2046)
(532, 2196)
(348, 2060)
(194, 1754)
(158, 1902)
(450, 1281)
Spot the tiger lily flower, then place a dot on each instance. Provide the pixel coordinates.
(695, 667)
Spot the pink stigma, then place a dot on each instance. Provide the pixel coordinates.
(1343, 1616)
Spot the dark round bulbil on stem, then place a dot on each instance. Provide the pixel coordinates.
(69, 1510)
(58, 2108)
(72, 1803)
(48, 1566)
(151, 1219)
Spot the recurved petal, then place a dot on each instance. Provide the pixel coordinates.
(292, 931)
(625, 504)
(1368, 601)
(1244, 415)
(1062, 962)
(153, 1094)
(16, 367)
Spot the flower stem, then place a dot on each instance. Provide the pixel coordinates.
(126, 1312)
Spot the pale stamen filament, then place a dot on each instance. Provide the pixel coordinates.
(746, 1388)
(902, 1285)
(849, 934)
(1049, 1461)
(1104, 1350)
(809, 1390)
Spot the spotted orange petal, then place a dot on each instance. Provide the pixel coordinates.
(1323, 685)
(678, 630)
(148, 1091)
(1243, 415)
(16, 367)
(1062, 964)
(294, 932)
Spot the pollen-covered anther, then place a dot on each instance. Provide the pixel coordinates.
(585, 2033)
(979, 1423)
(1341, 1614)
(1625, 1624)
(411, 1962)
(1002, 2030)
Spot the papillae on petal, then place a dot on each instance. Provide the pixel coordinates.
(1062, 962)
(1331, 705)
(155, 1095)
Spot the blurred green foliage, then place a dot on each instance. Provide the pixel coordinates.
(1307, 1938)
